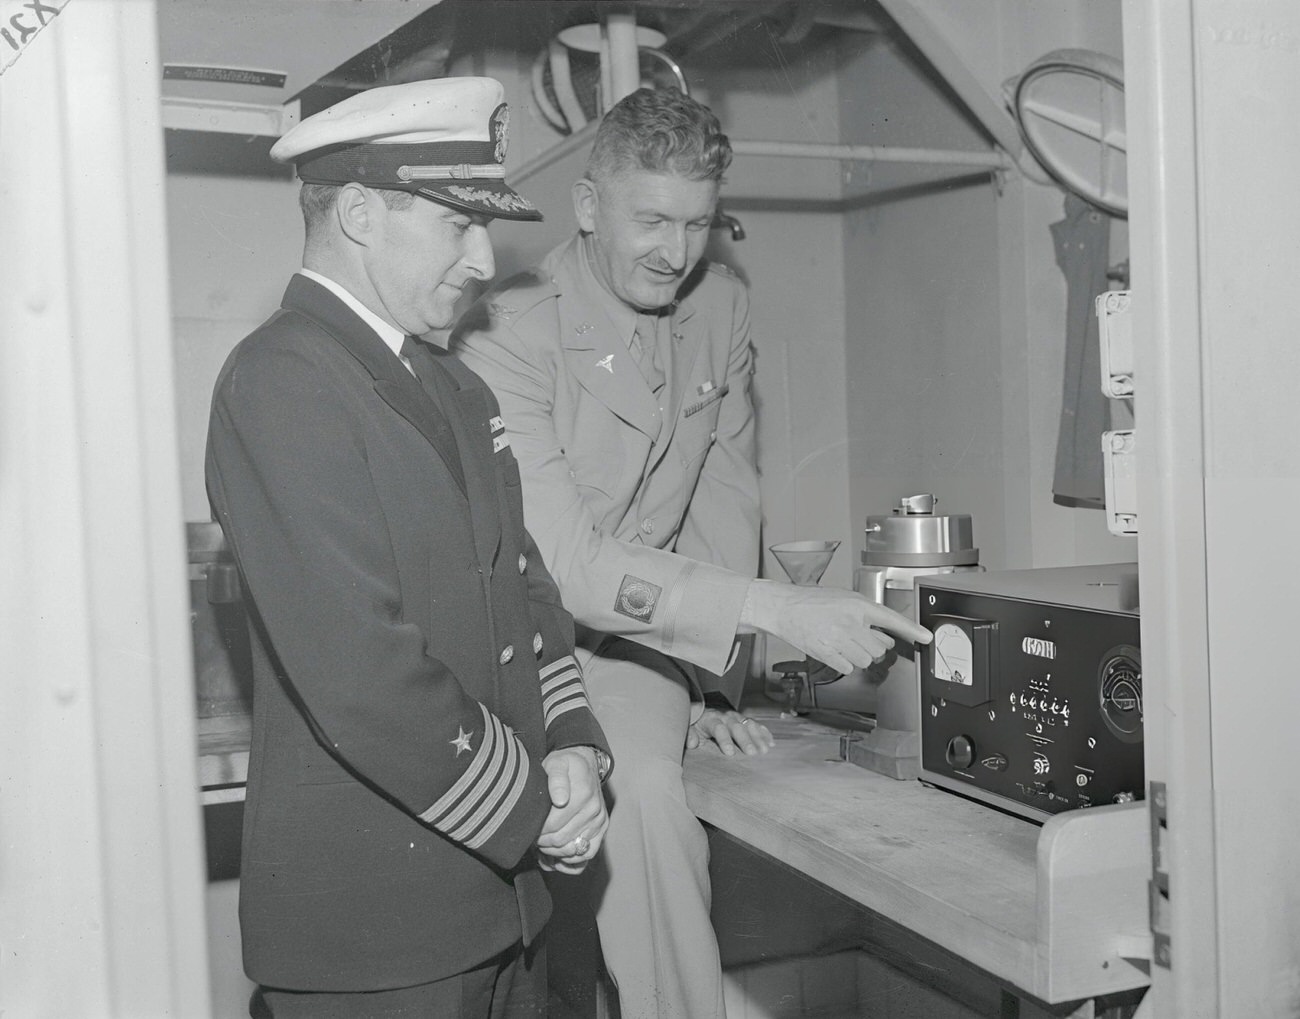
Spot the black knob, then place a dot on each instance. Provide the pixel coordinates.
(960, 752)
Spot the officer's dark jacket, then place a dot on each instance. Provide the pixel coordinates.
(413, 664)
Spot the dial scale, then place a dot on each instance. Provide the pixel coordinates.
(1031, 691)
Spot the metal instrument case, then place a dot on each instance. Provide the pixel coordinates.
(1048, 717)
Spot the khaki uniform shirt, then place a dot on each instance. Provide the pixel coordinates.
(617, 480)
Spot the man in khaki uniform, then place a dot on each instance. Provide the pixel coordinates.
(622, 366)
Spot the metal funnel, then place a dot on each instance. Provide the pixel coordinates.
(804, 562)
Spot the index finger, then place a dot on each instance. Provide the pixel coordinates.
(897, 623)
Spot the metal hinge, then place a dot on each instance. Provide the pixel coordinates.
(1158, 801)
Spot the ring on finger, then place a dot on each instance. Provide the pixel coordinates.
(746, 721)
(580, 845)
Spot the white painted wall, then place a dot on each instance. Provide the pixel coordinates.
(956, 314)
(234, 242)
(923, 329)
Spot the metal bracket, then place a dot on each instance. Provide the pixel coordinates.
(1119, 458)
(1115, 328)
(1158, 805)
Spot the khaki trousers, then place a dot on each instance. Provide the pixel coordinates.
(650, 883)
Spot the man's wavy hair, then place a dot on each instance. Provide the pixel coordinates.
(660, 131)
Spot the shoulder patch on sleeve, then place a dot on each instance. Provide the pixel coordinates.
(637, 598)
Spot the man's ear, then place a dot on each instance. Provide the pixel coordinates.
(354, 207)
(585, 203)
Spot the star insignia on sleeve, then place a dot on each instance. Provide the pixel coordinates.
(461, 742)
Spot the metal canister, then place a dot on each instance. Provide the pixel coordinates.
(912, 541)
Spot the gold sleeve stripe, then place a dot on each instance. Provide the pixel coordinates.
(493, 808)
(560, 682)
(469, 776)
(474, 796)
(567, 662)
(510, 796)
(562, 689)
(476, 806)
(557, 708)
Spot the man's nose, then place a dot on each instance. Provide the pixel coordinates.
(673, 248)
(478, 254)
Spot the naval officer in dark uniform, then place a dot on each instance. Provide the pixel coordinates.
(422, 741)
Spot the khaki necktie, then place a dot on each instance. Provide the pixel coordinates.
(645, 348)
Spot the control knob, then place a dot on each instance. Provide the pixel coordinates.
(960, 753)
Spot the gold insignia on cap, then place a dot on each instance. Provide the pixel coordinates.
(506, 202)
(499, 128)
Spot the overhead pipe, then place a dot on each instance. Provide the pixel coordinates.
(870, 153)
(792, 150)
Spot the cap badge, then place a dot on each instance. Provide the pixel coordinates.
(499, 125)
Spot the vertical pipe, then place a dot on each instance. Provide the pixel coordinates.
(620, 53)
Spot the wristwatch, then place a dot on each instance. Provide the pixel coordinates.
(603, 763)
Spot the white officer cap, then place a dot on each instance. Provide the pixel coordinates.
(444, 139)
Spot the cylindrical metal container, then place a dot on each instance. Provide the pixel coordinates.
(912, 541)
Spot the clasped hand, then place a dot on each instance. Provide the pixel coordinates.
(575, 827)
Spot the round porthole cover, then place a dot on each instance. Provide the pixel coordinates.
(1070, 107)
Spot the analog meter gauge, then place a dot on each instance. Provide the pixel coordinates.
(953, 653)
(961, 658)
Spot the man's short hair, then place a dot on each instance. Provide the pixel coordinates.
(316, 201)
(661, 131)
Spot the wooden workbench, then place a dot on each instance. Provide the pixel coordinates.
(1058, 912)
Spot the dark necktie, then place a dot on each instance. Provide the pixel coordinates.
(440, 389)
(410, 346)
